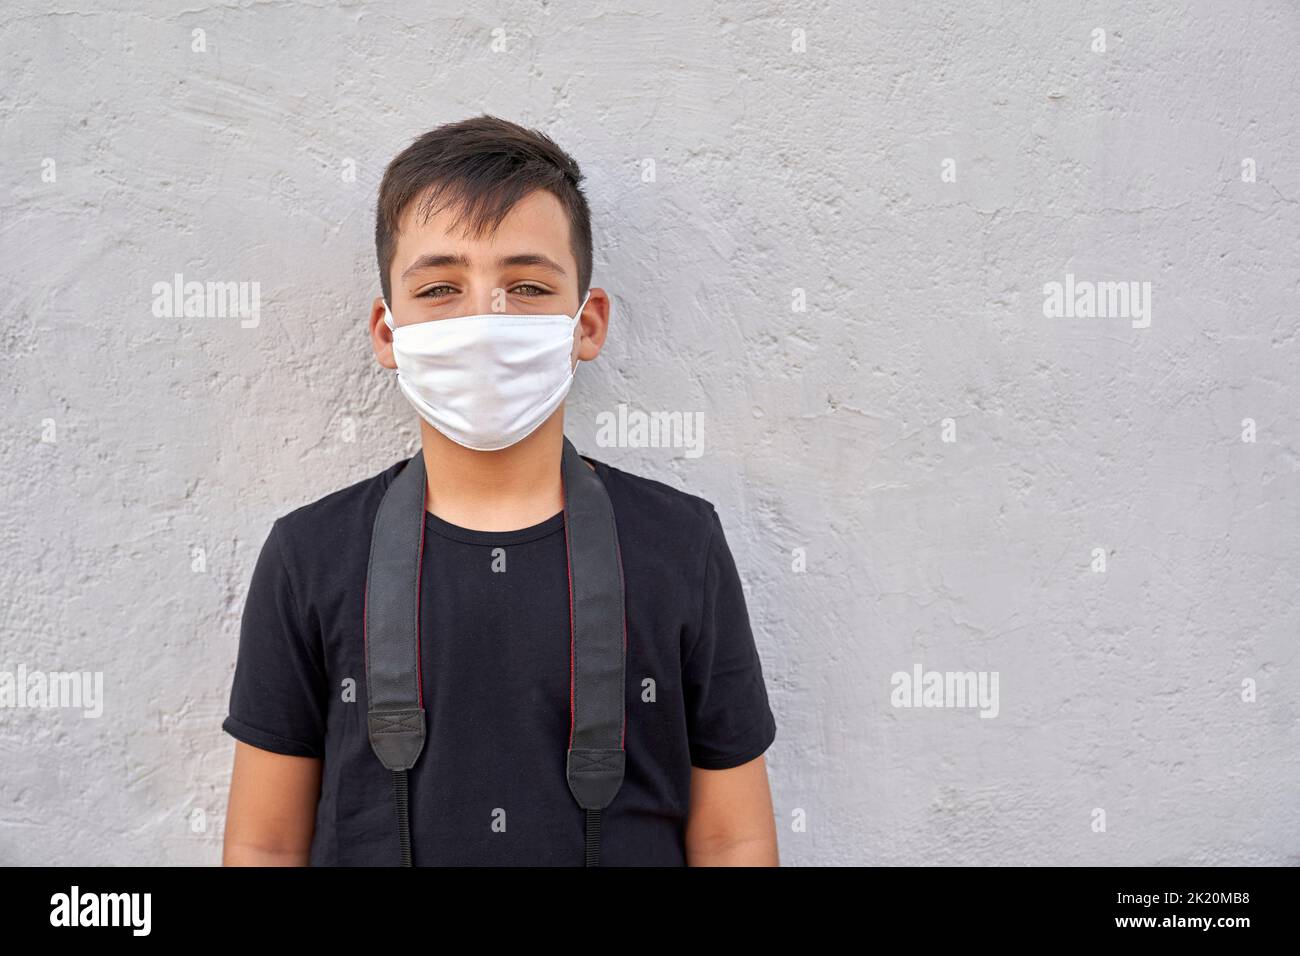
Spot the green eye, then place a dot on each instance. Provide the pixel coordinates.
(433, 290)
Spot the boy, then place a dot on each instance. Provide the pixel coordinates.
(484, 246)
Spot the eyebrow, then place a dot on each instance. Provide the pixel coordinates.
(439, 260)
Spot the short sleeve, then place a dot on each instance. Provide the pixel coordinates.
(278, 698)
(728, 718)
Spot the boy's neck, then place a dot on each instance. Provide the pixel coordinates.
(505, 490)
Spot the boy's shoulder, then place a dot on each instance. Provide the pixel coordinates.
(340, 516)
(659, 527)
(659, 498)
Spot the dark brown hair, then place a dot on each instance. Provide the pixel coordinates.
(479, 167)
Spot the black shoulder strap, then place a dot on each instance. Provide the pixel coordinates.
(394, 697)
(597, 646)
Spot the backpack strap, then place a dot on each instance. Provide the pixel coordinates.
(598, 645)
(394, 695)
(597, 640)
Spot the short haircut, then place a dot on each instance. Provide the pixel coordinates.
(480, 168)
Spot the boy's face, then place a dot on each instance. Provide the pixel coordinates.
(525, 267)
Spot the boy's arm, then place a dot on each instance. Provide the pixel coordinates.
(278, 703)
(730, 821)
(271, 815)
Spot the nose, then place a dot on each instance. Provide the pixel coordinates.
(482, 299)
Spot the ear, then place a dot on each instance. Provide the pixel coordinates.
(593, 325)
(381, 336)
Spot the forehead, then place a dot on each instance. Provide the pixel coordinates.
(536, 223)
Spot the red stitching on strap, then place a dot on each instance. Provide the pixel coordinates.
(568, 567)
(618, 551)
(419, 564)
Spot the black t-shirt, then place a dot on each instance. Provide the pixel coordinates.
(489, 787)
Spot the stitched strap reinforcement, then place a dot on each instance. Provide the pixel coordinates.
(400, 798)
(593, 838)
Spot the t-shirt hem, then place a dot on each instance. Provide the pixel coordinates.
(264, 740)
(738, 757)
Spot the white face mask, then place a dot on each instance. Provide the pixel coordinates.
(485, 381)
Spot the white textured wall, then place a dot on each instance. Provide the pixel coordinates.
(775, 170)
